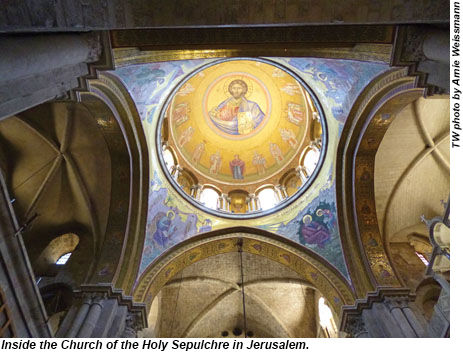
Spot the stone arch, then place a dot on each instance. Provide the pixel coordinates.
(118, 117)
(312, 267)
(366, 254)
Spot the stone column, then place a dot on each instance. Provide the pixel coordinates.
(316, 144)
(20, 293)
(227, 200)
(220, 202)
(248, 202)
(79, 318)
(92, 316)
(388, 312)
(198, 191)
(102, 311)
(253, 202)
(224, 203)
(38, 68)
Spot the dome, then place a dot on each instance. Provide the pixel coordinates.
(235, 136)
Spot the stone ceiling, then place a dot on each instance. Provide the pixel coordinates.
(205, 300)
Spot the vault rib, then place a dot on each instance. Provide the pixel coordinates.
(416, 162)
(39, 134)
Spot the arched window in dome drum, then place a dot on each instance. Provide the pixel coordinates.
(311, 159)
(267, 198)
(168, 159)
(209, 197)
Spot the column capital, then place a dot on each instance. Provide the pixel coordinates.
(380, 295)
(384, 313)
(397, 302)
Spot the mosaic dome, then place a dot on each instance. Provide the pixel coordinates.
(238, 127)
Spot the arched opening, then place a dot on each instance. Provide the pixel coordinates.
(371, 115)
(206, 299)
(311, 159)
(275, 270)
(169, 159)
(418, 166)
(268, 198)
(57, 252)
(326, 321)
(209, 197)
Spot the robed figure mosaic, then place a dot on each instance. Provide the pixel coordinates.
(237, 115)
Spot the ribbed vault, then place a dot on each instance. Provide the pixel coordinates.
(205, 300)
(412, 178)
(59, 169)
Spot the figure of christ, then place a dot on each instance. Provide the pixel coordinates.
(237, 115)
(237, 167)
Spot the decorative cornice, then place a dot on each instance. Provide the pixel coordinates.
(379, 295)
(104, 63)
(103, 291)
(306, 35)
(363, 52)
(393, 298)
(408, 52)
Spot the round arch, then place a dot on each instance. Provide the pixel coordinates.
(118, 117)
(312, 267)
(366, 254)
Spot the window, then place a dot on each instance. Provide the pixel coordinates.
(63, 259)
(168, 159)
(422, 258)
(310, 160)
(267, 198)
(209, 197)
(326, 318)
(63, 244)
